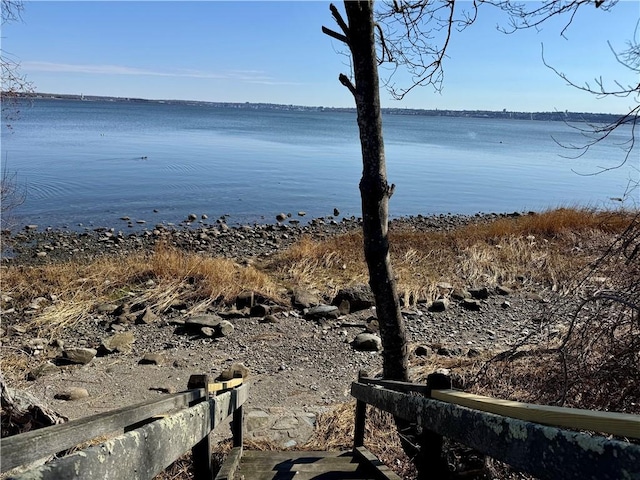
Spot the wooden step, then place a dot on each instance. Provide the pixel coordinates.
(289, 465)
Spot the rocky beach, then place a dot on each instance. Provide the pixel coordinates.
(299, 356)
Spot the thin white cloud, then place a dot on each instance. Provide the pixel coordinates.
(242, 75)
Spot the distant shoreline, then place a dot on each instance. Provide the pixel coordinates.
(566, 116)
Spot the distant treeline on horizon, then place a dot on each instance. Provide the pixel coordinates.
(547, 116)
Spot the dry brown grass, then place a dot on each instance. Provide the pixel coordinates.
(73, 289)
(586, 352)
(532, 251)
(334, 431)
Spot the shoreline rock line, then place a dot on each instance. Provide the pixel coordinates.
(238, 242)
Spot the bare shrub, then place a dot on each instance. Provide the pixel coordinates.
(12, 195)
(586, 353)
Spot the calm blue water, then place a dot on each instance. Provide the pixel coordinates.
(92, 162)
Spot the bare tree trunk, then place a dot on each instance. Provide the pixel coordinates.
(375, 192)
(374, 188)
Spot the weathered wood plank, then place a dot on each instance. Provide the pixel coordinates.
(271, 465)
(201, 451)
(622, 424)
(142, 453)
(290, 455)
(371, 462)
(227, 385)
(31, 446)
(544, 451)
(230, 465)
(396, 385)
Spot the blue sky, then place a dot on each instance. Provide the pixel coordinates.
(275, 52)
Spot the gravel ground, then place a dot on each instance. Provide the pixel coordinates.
(293, 362)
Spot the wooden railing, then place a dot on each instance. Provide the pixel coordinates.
(526, 436)
(146, 438)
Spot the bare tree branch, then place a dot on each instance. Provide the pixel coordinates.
(12, 81)
(12, 11)
(339, 20)
(417, 35)
(524, 16)
(335, 35)
(344, 80)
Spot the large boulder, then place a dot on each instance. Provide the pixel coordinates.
(303, 298)
(120, 342)
(236, 370)
(360, 297)
(200, 321)
(322, 311)
(367, 342)
(79, 355)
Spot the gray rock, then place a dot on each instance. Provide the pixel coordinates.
(107, 308)
(286, 423)
(439, 305)
(45, 369)
(336, 212)
(471, 304)
(74, 393)
(234, 371)
(147, 317)
(153, 359)
(460, 294)
(303, 298)
(479, 293)
(367, 342)
(208, 332)
(421, 351)
(260, 310)
(79, 355)
(281, 217)
(225, 328)
(120, 342)
(270, 319)
(322, 311)
(257, 420)
(502, 290)
(199, 321)
(359, 297)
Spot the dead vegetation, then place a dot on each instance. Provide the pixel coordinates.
(541, 251)
(531, 252)
(157, 279)
(585, 353)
